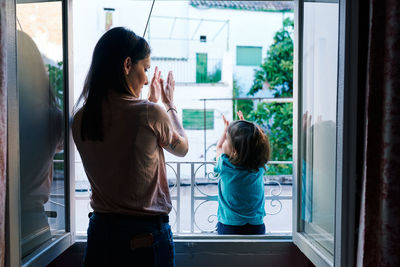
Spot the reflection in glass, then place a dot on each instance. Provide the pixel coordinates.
(41, 119)
(318, 135)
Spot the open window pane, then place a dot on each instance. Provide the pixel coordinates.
(318, 133)
(207, 81)
(41, 117)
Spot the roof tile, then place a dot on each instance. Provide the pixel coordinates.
(245, 5)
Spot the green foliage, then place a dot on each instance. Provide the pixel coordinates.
(244, 105)
(215, 76)
(211, 77)
(277, 68)
(277, 118)
(56, 78)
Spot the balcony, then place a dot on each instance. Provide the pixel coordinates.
(194, 200)
(192, 182)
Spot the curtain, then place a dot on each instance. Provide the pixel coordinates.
(379, 231)
(3, 129)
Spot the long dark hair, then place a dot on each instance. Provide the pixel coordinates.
(106, 74)
(250, 144)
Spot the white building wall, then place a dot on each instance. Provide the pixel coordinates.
(225, 29)
(189, 95)
(89, 25)
(233, 28)
(246, 28)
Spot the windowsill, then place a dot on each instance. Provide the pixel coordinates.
(213, 237)
(47, 252)
(216, 237)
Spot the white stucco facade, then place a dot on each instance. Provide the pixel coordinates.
(173, 33)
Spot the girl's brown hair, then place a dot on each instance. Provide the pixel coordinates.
(250, 145)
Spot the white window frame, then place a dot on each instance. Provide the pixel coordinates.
(345, 142)
(52, 248)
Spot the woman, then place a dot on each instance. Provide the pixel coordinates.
(120, 139)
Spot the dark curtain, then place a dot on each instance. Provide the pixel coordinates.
(379, 230)
(3, 129)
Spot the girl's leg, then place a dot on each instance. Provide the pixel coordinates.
(224, 229)
(250, 229)
(247, 229)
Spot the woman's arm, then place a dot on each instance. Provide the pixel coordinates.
(179, 145)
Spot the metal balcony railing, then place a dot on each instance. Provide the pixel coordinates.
(195, 197)
(194, 190)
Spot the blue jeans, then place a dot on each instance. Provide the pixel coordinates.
(119, 240)
(247, 229)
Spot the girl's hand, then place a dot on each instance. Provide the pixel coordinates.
(226, 123)
(240, 115)
(222, 138)
(155, 86)
(167, 92)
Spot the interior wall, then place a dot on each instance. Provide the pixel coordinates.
(215, 253)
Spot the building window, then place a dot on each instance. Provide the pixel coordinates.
(201, 67)
(108, 12)
(248, 55)
(193, 119)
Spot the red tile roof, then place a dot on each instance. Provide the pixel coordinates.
(245, 5)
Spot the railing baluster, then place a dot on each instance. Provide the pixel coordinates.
(192, 181)
(178, 198)
(274, 197)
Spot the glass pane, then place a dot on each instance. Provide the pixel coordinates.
(174, 33)
(318, 135)
(41, 115)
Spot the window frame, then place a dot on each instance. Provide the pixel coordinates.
(346, 137)
(347, 118)
(52, 248)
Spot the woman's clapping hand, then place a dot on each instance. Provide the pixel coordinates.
(167, 92)
(155, 86)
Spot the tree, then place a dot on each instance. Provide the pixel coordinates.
(244, 105)
(277, 118)
(56, 79)
(277, 121)
(277, 68)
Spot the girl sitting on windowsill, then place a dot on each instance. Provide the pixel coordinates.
(242, 152)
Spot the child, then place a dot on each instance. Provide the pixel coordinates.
(242, 152)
